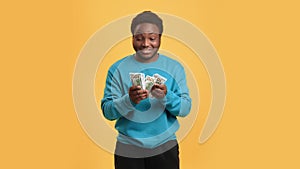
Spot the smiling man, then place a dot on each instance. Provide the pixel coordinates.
(146, 42)
(146, 118)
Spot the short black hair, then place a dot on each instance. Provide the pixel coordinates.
(147, 17)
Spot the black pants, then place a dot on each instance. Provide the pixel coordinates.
(168, 159)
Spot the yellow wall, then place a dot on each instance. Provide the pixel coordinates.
(257, 42)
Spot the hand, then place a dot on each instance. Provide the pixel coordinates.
(159, 91)
(136, 94)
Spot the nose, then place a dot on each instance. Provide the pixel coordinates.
(145, 43)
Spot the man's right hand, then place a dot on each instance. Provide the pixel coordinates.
(136, 94)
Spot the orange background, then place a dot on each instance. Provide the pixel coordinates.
(258, 44)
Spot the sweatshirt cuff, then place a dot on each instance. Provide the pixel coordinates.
(124, 105)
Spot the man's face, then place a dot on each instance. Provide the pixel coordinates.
(146, 42)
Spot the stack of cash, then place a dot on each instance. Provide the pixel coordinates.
(139, 79)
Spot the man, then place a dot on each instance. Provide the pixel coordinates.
(146, 117)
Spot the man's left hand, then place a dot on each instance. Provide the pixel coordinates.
(159, 91)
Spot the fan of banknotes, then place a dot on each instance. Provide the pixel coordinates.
(146, 82)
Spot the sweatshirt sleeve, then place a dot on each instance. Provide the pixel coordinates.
(115, 104)
(178, 101)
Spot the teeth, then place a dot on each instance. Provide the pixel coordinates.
(146, 52)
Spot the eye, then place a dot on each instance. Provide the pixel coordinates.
(138, 38)
(152, 38)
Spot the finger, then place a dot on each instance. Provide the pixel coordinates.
(158, 93)
(158, 86)
(157, 90)
(161, 88)
(143, 91)
(143, 96)
(134, 93)
(137, 87)
(134, 88)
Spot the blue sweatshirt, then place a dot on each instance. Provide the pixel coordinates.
(153, 121)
